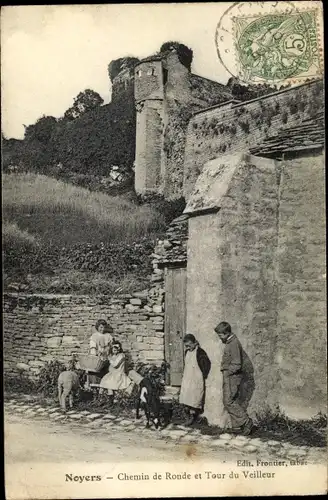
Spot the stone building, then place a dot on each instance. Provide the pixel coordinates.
(253, 250)
(249, 249)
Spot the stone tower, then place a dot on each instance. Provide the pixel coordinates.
(166, 94)
(149, 81)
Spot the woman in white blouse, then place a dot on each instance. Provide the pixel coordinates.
(101, 340)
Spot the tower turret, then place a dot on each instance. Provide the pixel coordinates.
(149, 98)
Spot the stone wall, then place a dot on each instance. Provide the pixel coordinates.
(217, 131)
(38, 328)
(230, 272)
(149, 147)
(148, 81)
(256, 258)
(302, 325)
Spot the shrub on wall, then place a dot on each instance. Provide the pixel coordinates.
(244, 125)
(185, 54)
(174, 143)
(117, 65)
(171, 209)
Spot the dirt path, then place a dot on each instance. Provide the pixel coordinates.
(43, 441)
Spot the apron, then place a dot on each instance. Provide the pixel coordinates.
(116, 379)
(192, 385)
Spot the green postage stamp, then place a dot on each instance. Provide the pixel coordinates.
(272, 42)
(277, 47)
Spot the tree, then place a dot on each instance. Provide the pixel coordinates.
(41, 130)
(185, 54)
(85, 101)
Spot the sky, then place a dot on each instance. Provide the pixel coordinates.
(51, 53)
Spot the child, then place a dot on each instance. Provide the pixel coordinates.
(68, 385)
(234, 367)
(196, 370)
(116, 378)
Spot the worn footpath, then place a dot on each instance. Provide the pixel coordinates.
(175, 433)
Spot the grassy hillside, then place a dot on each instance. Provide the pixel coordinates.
(63, 214)
(61, 238)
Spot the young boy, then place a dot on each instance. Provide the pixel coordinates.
(233, 368)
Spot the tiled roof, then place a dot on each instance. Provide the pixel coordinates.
(309, 135)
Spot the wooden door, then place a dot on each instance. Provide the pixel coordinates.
(175, 322)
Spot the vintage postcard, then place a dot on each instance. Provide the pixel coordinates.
(164, 302)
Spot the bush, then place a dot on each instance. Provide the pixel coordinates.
(117, 65)
(310, 432)
(47, 381)
(20, 383)
(244, 125)
(14, 237)
(155, 373)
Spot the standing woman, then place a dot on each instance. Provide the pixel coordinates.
(101, 339)
(116, 378)
(196, 369)
(100, 345)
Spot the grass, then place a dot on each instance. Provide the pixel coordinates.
(275, 424)
(14, 236)
(84, 283)
(37, 206)
(61, 238)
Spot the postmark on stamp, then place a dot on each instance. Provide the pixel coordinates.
(272, 44)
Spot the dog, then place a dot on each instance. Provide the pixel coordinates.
(68, 387)
(148, 399)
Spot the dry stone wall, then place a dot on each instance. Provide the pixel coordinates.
(38, 328)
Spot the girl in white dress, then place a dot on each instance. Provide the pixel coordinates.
(116, 378)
